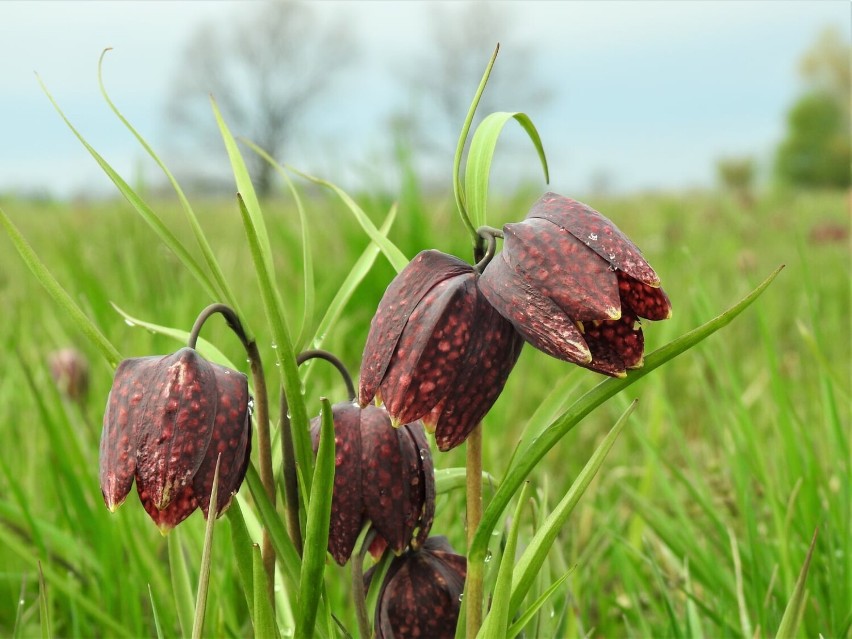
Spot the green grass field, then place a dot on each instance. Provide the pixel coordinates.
(697, 524)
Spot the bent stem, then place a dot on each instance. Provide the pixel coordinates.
(261, 414)
(475, 570)
(358, 592)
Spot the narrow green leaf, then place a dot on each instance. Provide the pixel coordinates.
(157, 626)
(745, 622)
(264, 618)
(43, 608)
(316, 536)
(376, 581)
(795, 607)
(242, 545)
(496, 623)
(458, 189)
(59, 294)
(207, 349)
(181, 584)
(396, 257)
(350, 284)
(523, 464)
(141, 207)
(220, 283)
(284, 352)
(533, 558)
(530, 612)
(307, 258)
(206, 558)
(245, 188)
(478, 169)
(693, 620)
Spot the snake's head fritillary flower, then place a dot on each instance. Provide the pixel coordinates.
(421, 593)
(437, 350)
(382, 474)
(575, 286)
(70, 371)
(167, 421)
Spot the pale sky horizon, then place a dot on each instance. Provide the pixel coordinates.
(650, 94)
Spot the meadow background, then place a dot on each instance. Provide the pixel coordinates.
(699, 521)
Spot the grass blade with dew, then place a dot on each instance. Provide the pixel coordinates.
(206, 557)
(496, 623)
(317, 528)
(396, 257)
(59, 294)
(181, 584)
(792, 617)
(309, 290)
(536, 552)
(147, 213)
(220, 283)
(286, 357)
(477, 172)
(524, 464)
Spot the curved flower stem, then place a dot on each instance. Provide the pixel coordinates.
(261, 419)
(490, 235)
(473, 593)
(358, 592)
(288, 454)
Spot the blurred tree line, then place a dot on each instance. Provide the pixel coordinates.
(816, 151)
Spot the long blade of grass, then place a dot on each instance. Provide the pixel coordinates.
(43, 608)
(141, 206)
(478, 169)
(396, 257)
(745, 621)
(447, 479)
(347, 289)
(284, 352)
(524, 464)
(316, 535)
(157, 627)
(496, 624)
(220, 283)
(521, 622)
(181, 584)
(245, 187)
(59, 294)
(307, 257)
(264, 618)
(204, 347)
(206, 558)
(458, 188)
(536, 552)
(242, 545)
(792, 617)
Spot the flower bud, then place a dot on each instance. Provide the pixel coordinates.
(70, 371)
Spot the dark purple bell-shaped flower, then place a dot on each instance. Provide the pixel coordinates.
(382, 474)
(437, 350)
(421, 594)
(575, 286)
(167, 421)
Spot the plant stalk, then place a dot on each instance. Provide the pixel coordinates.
(358, 592)
(473, 593)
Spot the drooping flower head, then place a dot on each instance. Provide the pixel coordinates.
(574, 286)
(381, 474)
(421, 593)
(167, 420)
(437, 350)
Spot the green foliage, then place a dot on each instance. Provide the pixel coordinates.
(817, 151)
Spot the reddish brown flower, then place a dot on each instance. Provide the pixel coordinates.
(382, 474)
(167, 421)
(421, 593)
(70, 371)
(437, 350)
(574, 286)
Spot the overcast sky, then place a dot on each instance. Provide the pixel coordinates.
(649, 94)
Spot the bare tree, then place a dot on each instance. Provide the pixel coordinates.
(265, 70)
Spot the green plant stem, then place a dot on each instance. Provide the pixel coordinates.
(359, 595)
(289, 477)
(475, 569)
(261, 418)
